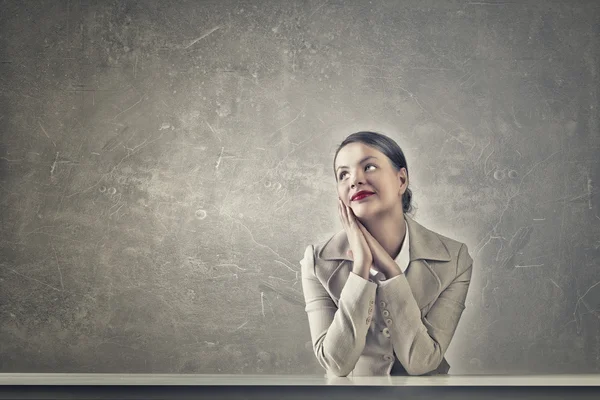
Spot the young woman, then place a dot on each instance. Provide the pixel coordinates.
(385, 294)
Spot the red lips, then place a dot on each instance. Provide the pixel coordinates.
(361, 195)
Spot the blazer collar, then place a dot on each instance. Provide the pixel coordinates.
(424, 244)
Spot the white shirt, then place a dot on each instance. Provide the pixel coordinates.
(403, 258)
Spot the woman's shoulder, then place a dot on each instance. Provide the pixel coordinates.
(330, 247)
(333, 246)
(453, 244)
(322, 257)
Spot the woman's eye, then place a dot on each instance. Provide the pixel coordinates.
(344, 173)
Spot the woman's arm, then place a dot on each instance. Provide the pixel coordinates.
(420, 344)
(338, 334)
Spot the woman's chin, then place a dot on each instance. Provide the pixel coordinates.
(367, 212)
(362, 211)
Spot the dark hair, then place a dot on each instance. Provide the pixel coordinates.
(388, 147)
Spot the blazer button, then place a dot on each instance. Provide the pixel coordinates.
(368, 321)
(386, 332)
(385, 313)
(388, 321)
(387, 357)
(382, 304)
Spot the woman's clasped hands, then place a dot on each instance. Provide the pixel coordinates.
(360, 252)
(365, 250)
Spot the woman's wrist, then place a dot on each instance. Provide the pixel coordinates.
(362, 270)
(390, 271)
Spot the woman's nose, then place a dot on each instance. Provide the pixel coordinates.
(356, 180)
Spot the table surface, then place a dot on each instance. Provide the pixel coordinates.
(296, 380)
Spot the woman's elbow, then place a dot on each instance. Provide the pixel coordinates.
(423, 366)
(339, 372)
(338, 369)
(417, 370)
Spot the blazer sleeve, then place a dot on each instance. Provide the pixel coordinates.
(338, 333)
(420, 344)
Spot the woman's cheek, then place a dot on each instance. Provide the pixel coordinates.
(341, 194)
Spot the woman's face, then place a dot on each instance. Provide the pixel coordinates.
(361, 168)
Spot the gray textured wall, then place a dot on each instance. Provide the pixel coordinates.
(164, 164)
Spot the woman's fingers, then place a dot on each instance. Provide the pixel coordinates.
(351, 216)
(346, 215)
(380, 257)
(371, 241)
(342, 210)
(359, 249)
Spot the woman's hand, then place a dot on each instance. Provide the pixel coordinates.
(381, 259)
(360, 251)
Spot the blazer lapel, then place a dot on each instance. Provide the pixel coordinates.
(337, 266)
(425, 244)
(425, 249)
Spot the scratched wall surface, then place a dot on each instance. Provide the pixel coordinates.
(164, 164)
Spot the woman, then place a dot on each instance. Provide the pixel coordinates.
(384, 295)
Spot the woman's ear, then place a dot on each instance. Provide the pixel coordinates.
(403, 177)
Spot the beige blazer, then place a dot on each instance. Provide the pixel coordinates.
(400, 327)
